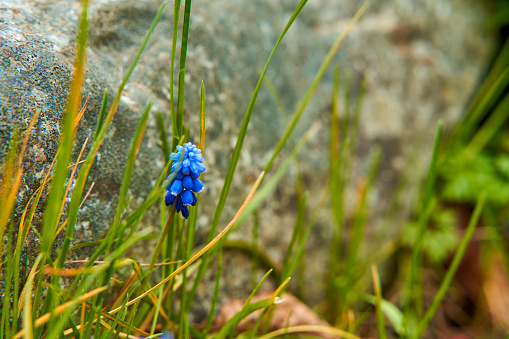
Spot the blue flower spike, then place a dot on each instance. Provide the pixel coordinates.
(187, 166)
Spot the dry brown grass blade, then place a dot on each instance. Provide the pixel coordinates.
(203, 250)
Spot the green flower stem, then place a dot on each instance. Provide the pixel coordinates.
(159, 245)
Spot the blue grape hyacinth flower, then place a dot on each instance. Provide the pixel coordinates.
(187, 165)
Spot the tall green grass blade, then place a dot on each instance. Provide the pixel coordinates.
(336, 192)
(362, 211)
(63, 157)
(380, 322)
(254, 244)
(231, 324)
(316, 81)
(57, 188)
(173, 115)
(277, 97)
(163, 135)
(334, 124)
(298, 259)
(7, 317)
(354, 131)
(116, 231)
(87, 165)
(347, 116)
(240, 141)
(102, 114)
(184, 324)
(28, 321)
(215, 296)
(489, 128)
(453, 268)
(487, 95)
(410, 302)
(297, 231)
(267, 311)
(182, 67)
(496, 238)
(128, 172)
(245, 123)
(158, 308)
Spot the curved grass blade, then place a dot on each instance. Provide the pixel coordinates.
(215, 296)
(164, 136)
(238, 147)
(62, 309)
(204, 249)
(316, 81)
(451, 272)
(380, 322)
(56, 193)
(233, 322)
(266, 313)
(310, 328)
(243, 129)
(410, 297)
(87, 165)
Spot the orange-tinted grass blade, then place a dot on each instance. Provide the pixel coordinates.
(87, 194)
(127, 261)
(120, 334)
(107, 316)
(377, 286)
(80, 114)
(74, 167)
(9, 189)
(68, 272)
(279, 289)
(81, 326)
(203, 250)
(266, 313)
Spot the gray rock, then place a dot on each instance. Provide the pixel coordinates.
(422, 62)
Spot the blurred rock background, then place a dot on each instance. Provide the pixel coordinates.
(422, 61)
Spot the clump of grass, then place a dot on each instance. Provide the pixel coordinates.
(42, 307)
